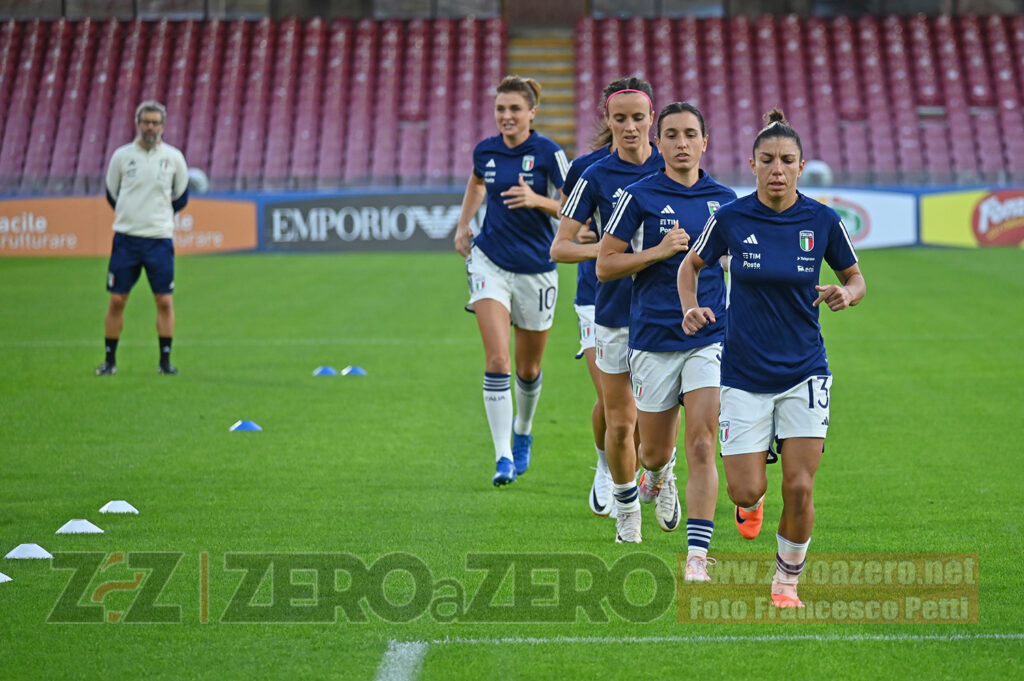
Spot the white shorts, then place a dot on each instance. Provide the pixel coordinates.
(749, 422)
(588, 331)
(612, 345)
(529, 298)
(660, 378)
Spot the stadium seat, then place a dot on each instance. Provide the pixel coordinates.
(308, 104)
(229, 97)
(334, 112)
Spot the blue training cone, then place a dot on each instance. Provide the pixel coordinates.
(245, 425)
(353, 371)
(325, 371)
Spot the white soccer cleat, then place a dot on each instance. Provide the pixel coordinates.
(666, 508)
(602, 502)
(627, 528)
(697, 568)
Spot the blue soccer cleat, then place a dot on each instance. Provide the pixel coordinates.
(504, 473)
(521, 445)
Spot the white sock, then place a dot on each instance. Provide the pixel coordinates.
(626, 499)
(498, 405)
(751, 509)
(602, 459)
(789, 561)
(527, 395)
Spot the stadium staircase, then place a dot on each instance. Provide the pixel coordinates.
(546, 55)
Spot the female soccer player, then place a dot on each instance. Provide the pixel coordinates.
(512, 280)
(629, 113)
(600, 498)
(656, 215)
(775, 375)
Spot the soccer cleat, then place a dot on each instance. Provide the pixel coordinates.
(602, 502)
(697, 568)
(749, 524)
(667, 509)
(168, 370)
(106, 369)
(505, 472)
(645, 490)
(627, 528)
(521, 445)
(784, 595)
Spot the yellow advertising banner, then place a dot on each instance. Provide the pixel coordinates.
(82, 226)
(975, 218)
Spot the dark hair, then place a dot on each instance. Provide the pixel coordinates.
(603, 137)
(682, 107)
(777, 126)
(527, 87)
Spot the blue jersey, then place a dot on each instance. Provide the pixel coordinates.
(586, 276)
(646, 211)
(773, 338)
(593, 197)
(518, 240)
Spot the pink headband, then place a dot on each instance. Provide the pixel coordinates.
(619, 92)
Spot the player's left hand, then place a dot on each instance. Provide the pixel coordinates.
(520, 196)
(836, 297)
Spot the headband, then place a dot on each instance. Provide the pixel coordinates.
(619, 92)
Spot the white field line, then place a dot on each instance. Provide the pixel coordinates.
(403, 659)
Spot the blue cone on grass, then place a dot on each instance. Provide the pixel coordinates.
(245, 425)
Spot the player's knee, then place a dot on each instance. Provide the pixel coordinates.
(745, 493)
(117, 302)
(700, 448)
(618, 431)
(798, 492)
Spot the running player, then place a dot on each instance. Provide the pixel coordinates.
(629, 113)
(511, 277)
(600, 498)
(656, 215)
(775, 377)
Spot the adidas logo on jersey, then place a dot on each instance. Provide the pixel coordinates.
(751, 240)
(667, 210)
(490, 164)
(617, 194)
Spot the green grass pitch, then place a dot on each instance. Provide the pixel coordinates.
(923, 456)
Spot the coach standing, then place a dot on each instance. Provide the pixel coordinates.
(147, 183)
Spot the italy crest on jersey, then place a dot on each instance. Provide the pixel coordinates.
(723, 431)
(806, 240)
(528, 162)
(713, 206)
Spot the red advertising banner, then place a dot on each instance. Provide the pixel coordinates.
(82, 226)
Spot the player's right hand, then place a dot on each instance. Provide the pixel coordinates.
(463, 241)
(585, 235)
(696, 318)
(674, 241)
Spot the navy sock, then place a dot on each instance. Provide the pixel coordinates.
(111, 349)
(165, 351)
